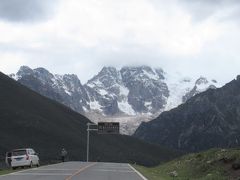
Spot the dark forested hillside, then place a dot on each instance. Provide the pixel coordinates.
(28, 119)
(210, 119)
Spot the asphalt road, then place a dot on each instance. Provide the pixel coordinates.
(78, 170)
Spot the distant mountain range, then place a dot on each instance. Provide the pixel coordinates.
(30, 120)
(209, 119)
(131, 92)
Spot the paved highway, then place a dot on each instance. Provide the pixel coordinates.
(78, 170)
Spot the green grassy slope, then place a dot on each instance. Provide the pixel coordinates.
(7, 171)
(214, 164)
(28, 119)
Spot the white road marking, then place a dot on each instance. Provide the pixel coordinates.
(41, 174)
(108, 170)
(138, 172)
(28, 170)
(106, 167)
(21, 171)
(55, 169)
(80, 170)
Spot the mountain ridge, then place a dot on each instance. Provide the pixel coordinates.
(209, 119)
(129, 91)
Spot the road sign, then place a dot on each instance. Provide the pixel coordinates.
(108, 127)
(102, 128)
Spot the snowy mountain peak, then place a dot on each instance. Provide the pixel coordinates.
(24, 70)
(71, 77)
(66, 89)
(147, 91)
(41, 70)
(141, 73)
(201, 80)
(109, 70)
(107, 77)
(131, 90)
(214, 81)
(201, 84)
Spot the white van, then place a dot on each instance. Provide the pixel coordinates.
(22, 157)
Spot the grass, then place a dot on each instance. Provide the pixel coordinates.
(7, 171)
(214, 164)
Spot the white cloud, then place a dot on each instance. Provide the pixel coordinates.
(11, 62)
(169, 28)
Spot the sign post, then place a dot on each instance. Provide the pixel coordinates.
(89, 129)
(102, 128)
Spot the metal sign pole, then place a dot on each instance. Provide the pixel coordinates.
(88, 140)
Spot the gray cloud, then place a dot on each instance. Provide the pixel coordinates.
(202, 9)
(25, 10)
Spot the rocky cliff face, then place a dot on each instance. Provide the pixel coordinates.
(130, 91)
(210, 119)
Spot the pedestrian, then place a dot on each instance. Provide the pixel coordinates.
(63, 154)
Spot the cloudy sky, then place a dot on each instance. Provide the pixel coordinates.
(192, 37)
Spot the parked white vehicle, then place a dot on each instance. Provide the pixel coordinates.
(22, 157)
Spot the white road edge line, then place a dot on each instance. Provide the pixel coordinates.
(27, 170)
(54, 169)
(108, 170)
(137, 172)
(41, 174)
(17, 172)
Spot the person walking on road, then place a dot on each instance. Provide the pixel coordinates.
(63, 154)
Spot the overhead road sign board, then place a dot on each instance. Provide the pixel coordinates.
(108, 127)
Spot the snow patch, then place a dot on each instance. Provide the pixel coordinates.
(102, 92)
(68, 92)
(202, 87)
(177, 89)
(125, 107)
(123, 91)
(85, 109)
(15, 77)
(91, 85)
(151, 75)
(148, 103)
(95, 105)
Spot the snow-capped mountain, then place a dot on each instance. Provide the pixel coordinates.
(66, 89)
(183, 88)
(148, 92)
(129, 92)
(107, 92)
